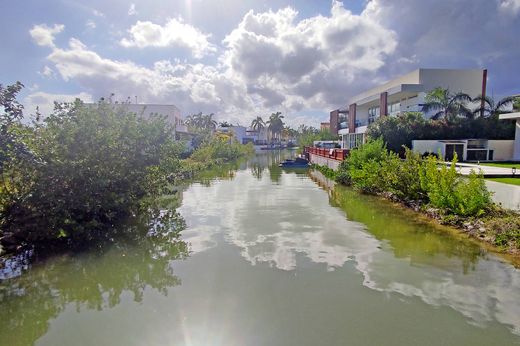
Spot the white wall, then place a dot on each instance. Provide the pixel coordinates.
(502, 149)
(410, 78)
(467, 81)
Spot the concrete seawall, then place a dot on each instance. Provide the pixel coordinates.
(324, 161)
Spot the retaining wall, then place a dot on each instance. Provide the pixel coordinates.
(324, 161)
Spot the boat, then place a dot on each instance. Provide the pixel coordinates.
(296, 163)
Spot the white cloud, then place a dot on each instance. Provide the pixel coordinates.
(47, 72)
(309, 62)
(43, 35)
(90, 24)
(174, 33)
(272, 61)
(97, 13)
(192, 87)
(510, 6)
(45, 101)
(132, 11)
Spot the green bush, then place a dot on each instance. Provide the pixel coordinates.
(367, 167)
(448, 191)
(97, 166)
(439, 183)
(220, 150)
(405, 182)
(372, 168)
(472, 196)
(343, 174)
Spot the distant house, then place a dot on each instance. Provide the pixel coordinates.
(325, 126)
(259, 137)
(171, 112)
(239, 133)
(403, 94)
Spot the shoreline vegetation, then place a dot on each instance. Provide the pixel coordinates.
(86, 175)
(418, 183)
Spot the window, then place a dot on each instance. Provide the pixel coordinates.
(373, 114)
(394, 108)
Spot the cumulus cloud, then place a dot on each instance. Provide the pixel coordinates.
(309, 62)
(192, 87)
(174, 33)
(274, 61)
(43, 35)
(45, 101)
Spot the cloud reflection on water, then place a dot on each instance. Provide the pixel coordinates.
(274, 224)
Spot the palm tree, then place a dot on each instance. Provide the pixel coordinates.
(447, 105)
(208, 122)
(257, 124)
(488, 107)
(275, 124)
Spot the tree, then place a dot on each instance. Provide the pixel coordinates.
(201, 122)
(399, 130)
(99, 167)
(447, 106)
(11, 129)
(258, 124)
(516, 104)
(489, 107)
(275, 124)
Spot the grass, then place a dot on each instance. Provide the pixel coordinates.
(502, 164)
(511, 181)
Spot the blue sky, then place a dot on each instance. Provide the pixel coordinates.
(240, 59)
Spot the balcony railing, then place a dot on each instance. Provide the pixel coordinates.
(335, 154)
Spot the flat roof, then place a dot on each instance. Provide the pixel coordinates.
(515, 115)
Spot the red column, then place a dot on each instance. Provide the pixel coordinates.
(334, 121)
(352, 118)
(383, 104)
(484, 82)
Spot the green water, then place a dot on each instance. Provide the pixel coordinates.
(271, 257)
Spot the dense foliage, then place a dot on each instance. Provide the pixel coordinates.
(400, 130)
(85, 171)
(374, 169)
(95, 167)
(307, 135)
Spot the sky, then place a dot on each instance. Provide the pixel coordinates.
(240, 59)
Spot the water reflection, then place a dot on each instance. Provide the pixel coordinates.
(286, 222)
(94, 280)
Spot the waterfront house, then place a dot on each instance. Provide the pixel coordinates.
(403, 94)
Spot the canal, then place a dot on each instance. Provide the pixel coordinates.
(271, 257)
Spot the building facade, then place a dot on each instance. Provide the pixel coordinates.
(170, 112)
(402, 94)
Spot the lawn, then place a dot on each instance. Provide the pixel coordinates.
(502, 164)
(511, 181)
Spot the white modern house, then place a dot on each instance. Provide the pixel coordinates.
(516, 142)
(239, 132)
(402, 94)
(259, 137)
(170, 112)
